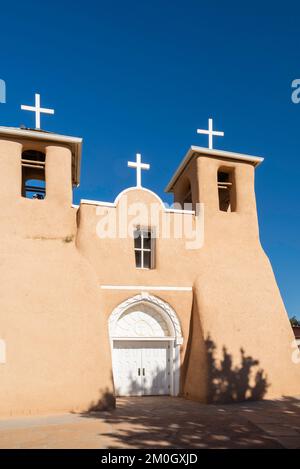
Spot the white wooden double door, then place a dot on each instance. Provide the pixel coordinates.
(141, 367)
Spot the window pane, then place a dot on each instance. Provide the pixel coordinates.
(147, 260)
(137, 239)
(147, 239)
(138, 256)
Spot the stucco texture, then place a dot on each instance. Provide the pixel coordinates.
(54, 312)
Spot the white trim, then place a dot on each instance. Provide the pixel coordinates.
(2, 351)
(139, 339)
(142, 250)
(255, 160)
(181, 211)
(129, 189)
(145, 287)
(39, 134)
(97, 202)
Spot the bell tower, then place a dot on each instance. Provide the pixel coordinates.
(47, 286)
(224, 183)
(35, 155)
(235, 293)
(38, 171)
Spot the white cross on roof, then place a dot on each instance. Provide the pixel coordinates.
(38, 110)
(210, 132)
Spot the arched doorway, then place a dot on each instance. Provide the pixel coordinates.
(145, 339)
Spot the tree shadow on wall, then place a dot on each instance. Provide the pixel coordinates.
(106, 401)
(229, 383)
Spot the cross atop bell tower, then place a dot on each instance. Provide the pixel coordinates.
(38, 110)
(211, 133)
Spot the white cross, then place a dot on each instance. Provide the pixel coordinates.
(210, 132)
(38, 110)
(139, 166)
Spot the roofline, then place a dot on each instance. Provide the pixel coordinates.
(255, 160)
(75, 142)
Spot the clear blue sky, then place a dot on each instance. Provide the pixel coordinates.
(133, 76)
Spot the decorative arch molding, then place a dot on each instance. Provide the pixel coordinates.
(162, 307)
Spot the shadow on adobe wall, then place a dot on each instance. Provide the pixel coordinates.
(227, 383)
(106, 401)
(209, 378)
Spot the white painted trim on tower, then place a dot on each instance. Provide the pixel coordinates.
(39, 135)
(145, 287)
(149, 339)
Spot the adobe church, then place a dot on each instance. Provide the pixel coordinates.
(86, 317)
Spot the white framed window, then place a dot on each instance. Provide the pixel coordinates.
(144, 248)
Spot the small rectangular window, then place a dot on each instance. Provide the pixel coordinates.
(144, 248)
(226, 190)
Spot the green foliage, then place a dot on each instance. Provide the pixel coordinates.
(294, 321)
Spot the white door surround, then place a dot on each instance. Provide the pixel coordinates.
(145, 337)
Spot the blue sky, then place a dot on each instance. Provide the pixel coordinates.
(133, 76)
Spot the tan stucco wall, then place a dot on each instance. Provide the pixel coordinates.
(58, 357)
(236, 295)
(54, 313)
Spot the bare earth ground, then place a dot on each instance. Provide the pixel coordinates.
(162, 422)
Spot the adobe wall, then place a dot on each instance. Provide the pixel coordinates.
(113, 256)
(237, 301)
(57, 350)
(114, 262)
(54, 313)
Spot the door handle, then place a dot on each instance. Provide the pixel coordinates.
(139, 372)
(143, 371)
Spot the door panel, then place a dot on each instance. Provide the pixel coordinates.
(155, 368)
(141, 368)
(127, 368)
